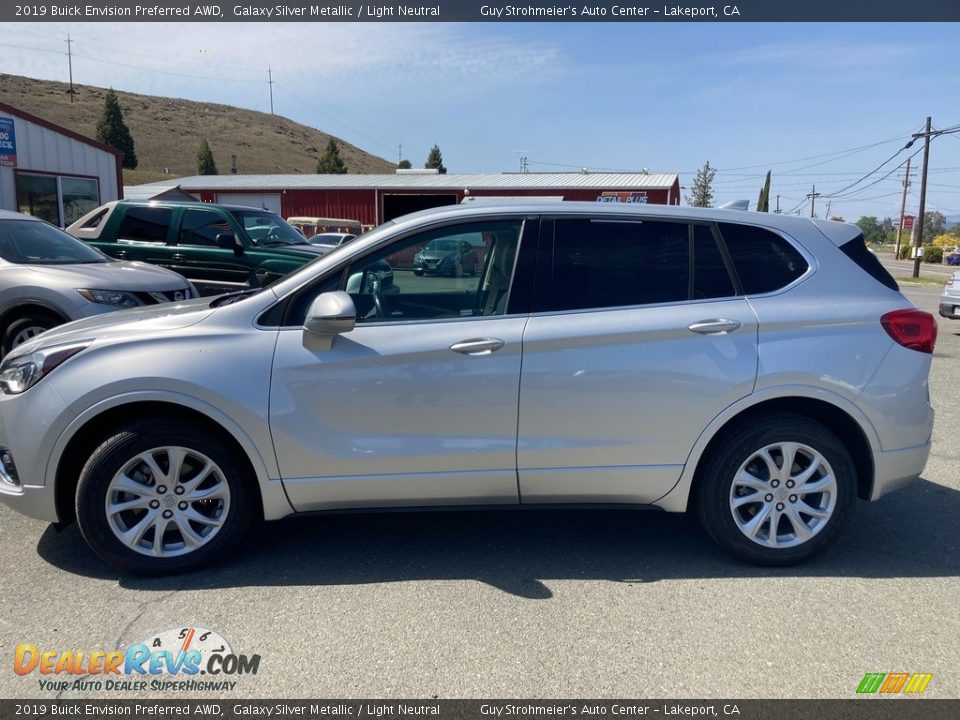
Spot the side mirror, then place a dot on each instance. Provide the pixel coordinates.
(331, 313)
(230, 241)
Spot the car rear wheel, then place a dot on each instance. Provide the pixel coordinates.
(777, 491)
(163, 496)
(27, 328)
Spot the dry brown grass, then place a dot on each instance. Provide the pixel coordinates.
(167, 131)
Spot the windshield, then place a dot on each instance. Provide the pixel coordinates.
(442, 245)
(266, 228)
(32, 242)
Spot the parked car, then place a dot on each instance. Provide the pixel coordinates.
(331, 239)
(950, 300)
(48, 278)
(220, 248)
(446, 256)
(762, 371)
(310, 226)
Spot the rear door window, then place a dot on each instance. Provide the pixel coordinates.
(612, 263)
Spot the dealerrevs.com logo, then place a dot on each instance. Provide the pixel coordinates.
(183, 659)
(894, 683)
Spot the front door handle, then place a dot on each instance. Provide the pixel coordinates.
(178, 257)
(478, 346)
(122, 254)
(714, 327)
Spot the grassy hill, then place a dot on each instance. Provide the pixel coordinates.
(167, 131)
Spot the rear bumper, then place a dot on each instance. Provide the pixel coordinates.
(950, 307)
(898, 468)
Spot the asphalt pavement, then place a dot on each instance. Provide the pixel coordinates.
(533, 604)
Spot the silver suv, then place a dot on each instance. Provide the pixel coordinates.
(48, 278)
(762, 371)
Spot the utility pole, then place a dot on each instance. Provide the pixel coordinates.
(813, 195)
(399, 153)
(270, 83)
(903, 209)
(826, 215)
(71, 91)
(923, 200)
(523, 160)
(778, 210)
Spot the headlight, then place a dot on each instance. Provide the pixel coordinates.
(19, 373)
(116, 298)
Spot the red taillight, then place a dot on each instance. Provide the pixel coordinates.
(914, 329)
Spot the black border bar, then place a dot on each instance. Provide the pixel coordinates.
(632, 11)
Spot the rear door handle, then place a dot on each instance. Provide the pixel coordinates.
(714, 327)
(121, 254)
(178, 257)
(478, 346)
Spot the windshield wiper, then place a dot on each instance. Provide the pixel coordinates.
(232, 297)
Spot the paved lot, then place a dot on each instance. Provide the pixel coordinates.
(551, 604)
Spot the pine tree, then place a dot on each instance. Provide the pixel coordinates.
(701, 194)
(112, 131)
(330, 163)
(404, 165)
(763, 202)
(435, 160)
(205, 163)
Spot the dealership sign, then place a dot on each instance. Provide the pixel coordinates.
(623, 197)
(8, 143)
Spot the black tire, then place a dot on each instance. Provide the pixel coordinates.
(713, 493)
(418, 273)
(118, 450)
(33, 320)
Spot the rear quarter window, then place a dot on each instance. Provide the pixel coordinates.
(763, 260)
(857, 250)
(146, 224)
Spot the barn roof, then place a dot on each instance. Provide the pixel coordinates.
(486, 181)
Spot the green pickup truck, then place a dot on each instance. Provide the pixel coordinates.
(219, 248)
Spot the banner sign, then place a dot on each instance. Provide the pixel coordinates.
(8, 143)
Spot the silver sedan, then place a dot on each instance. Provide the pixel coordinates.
(950, 300)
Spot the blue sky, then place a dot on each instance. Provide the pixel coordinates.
(667, 97)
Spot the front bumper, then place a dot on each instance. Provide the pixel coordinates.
(36, 501)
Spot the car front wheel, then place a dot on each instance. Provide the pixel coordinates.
(163, 496)
(778, 490)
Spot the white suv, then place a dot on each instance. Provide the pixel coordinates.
(761, 370)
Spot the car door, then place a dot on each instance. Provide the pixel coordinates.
(417, 405)
(142, 234)
(637, 340)
(195, 254)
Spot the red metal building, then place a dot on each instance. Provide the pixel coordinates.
(373, 199)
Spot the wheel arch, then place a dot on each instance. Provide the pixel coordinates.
(24, 308)
(843, 420)
(90, 428)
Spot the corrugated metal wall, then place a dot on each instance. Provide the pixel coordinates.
(367, 205)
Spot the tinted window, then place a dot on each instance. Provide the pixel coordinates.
(764, 261)
(29, 242)
(600, 264)
(857, 251)
(201, 227)
(710, 276)
(146, 224)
